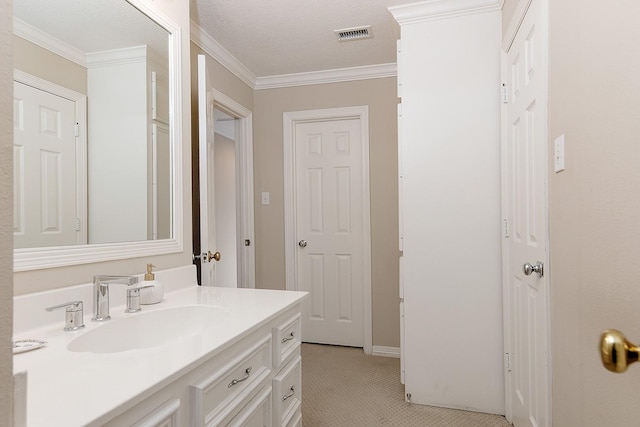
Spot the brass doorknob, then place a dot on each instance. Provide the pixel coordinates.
(616, 352)
(215, 256)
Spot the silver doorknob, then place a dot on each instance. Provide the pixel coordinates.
(302, 243)
(538, 268)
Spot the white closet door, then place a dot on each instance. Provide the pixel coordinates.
(329, 204)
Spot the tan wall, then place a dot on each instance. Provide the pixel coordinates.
(6, 214)
(45, 64)
(380, 96)
(594, 206)
(38, 280)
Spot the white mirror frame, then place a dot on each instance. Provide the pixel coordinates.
(41, 258)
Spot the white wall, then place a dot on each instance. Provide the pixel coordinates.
(117, 146)
(450, 76)
(225, 191)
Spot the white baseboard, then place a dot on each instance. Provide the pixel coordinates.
(383, 351)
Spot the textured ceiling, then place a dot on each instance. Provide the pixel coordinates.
(294, 36)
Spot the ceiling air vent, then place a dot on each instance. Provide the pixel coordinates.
(356, 33)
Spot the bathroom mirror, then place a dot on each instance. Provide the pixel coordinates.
(97, 125)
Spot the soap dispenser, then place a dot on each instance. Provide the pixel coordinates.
(151, 290)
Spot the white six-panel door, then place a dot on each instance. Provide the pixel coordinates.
(45, 197)
(329, 230)
(525, 206)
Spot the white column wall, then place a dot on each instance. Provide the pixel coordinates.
(117, 153)
(450, 78)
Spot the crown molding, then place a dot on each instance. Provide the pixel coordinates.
(214, 49)
(327, 76)
(441, 9)
(220, 54)
(128, 55)
(48, 42)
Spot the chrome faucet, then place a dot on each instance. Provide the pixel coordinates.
(101, 294)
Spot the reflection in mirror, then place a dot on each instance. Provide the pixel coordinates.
(92, 146)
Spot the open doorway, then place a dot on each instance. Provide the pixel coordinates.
(223, 253)
(226, 192)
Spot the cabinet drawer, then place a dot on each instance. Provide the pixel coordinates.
(286, 338)
(257, 413)
(215, 398)
(287, 392)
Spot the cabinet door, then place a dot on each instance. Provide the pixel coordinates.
(257, 413)
(165, 415)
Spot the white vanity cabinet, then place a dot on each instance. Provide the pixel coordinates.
(250, 382)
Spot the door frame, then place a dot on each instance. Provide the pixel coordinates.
(518, 17)
(290, 120)
(80, 101)
(244, 192)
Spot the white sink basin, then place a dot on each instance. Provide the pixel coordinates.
(144, 330)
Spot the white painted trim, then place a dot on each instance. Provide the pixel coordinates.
(327, 76)
(48, 42)
(244, 160)
(290, 119)
(506, 320)
(382, 351)
(80, 102)
(107, 58)
(441, 9)
(220, 54)
(514, 25)
(41, 258)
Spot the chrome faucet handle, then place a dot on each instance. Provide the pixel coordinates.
(133, 299)
(101, 294)
(73, 314)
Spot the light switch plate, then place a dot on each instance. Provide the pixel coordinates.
(265, 198)
(558, 154)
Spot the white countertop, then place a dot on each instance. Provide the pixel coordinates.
(82, 387)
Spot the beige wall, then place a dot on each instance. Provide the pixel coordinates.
(38, 280)
(45, 64)
(6, 214)
(380, 96)
(594, 206)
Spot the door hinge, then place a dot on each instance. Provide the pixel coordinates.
(504, 93)
(507, 362)
(77, 129)
(505, 227)
(247, 242)
(77, 224)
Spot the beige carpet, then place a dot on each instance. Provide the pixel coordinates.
(341, 386)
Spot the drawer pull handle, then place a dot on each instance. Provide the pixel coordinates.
(293, 391)
(239, 380)
(289, 338)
